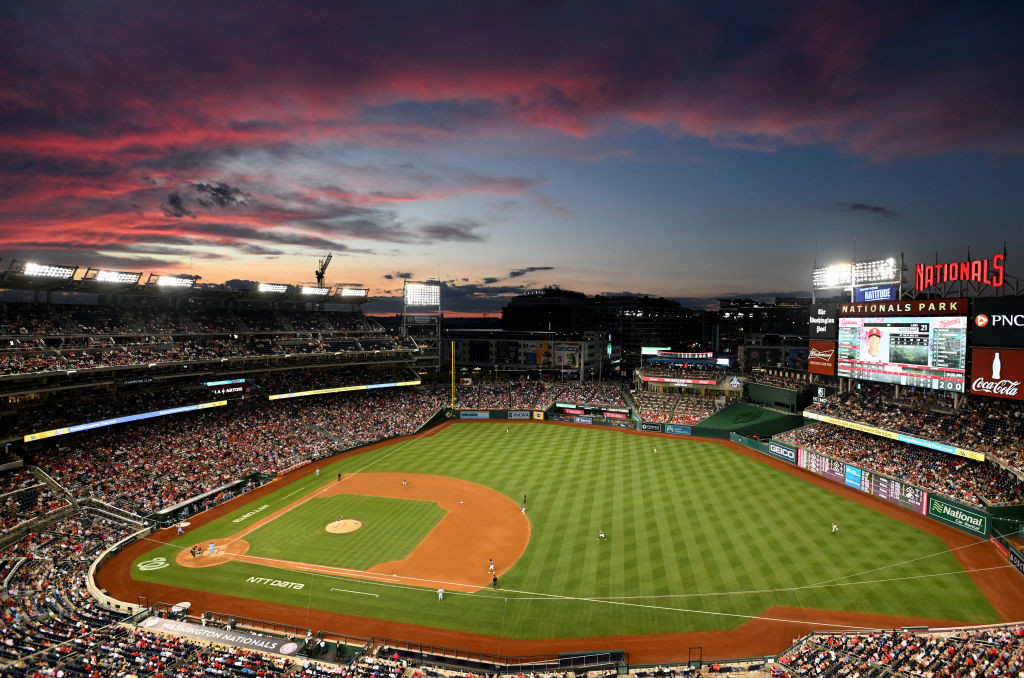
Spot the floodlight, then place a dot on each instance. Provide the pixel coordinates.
(352, 293)
(271, 287)
(837, 275)
(315, 291)
(176, 281)
(116, 277)
(880, 271)
(422, 294)
(47, 271)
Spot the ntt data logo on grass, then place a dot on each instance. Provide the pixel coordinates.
(958, 516)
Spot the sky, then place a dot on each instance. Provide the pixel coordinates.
(690, 150)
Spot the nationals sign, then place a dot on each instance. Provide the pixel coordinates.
(987, 271)
(821, 358)
(997, 372)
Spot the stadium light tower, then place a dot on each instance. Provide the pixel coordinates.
(851, 276)
(421, 318)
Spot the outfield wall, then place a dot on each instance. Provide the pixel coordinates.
(971, 519)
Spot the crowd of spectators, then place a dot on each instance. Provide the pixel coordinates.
(973, 653)
(46, 601)
(24, 498)
(677, 408)
(956, 477)
(182, 350)
(64, 408)
(792, 382)
(995, 427)
(151, 465)
(60, 338)
(123, 651)
(682, 372)
(536, 395)
(50, 320)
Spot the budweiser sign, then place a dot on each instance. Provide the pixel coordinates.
(997, 372)
(821, 357)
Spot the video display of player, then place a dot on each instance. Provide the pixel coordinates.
(909, 351)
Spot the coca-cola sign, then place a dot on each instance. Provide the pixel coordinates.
(997, 372)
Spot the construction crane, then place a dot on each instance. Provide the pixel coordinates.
(324, 263)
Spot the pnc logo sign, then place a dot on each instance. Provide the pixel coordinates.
(981, 320)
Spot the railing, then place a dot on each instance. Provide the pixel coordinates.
(271, 627)
(459, 658)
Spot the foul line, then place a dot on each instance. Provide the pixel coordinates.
(313, 495)
(361, 593)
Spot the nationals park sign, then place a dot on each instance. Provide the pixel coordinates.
(957, 306)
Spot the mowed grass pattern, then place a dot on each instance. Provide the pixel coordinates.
(698, 538)
(390, 530)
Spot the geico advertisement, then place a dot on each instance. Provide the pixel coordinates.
(997, 372)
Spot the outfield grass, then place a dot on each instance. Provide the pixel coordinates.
(699, 538)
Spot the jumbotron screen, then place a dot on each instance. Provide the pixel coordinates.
(909, 351)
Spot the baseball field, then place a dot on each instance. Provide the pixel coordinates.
(700, 537)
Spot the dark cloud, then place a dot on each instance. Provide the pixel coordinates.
(460, 231)
(404, 275)
(489, 281)
(219, 194)
(519, 272)
(174, 206)
(862, 207)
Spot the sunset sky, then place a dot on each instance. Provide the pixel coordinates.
(680, 149)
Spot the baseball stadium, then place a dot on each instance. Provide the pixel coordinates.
(198, 482)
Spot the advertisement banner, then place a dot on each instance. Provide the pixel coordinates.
(853, 477)
(782, 452)
(615, 415)
(959, 516)
(212, 634)
(518, 415)
(957, 306)
(823, 321)
(678, 380)
(823, 393)
(997, 373)
(821, 357)
(677, 429)
(822, 465)
(649, 426)
(536, 353)
(997, 321)
(876, 293)
(583, 420)
(572, 410)
(474, 414)
(567, 355)
(894, 491)
(1016, 560)
(538, 415)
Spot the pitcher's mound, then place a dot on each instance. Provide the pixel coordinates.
(343, 526)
